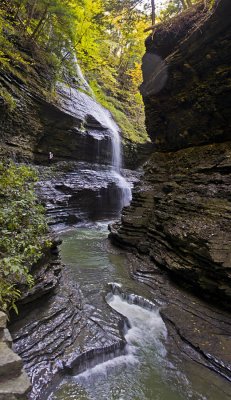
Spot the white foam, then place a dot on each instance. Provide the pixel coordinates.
(147, 329)
(104, 368)
(147, 326)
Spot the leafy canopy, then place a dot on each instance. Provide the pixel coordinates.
(107, 36)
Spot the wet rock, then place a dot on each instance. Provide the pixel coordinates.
(73, 125)
(136, 154)
(197, 331)
(186, 228)
(76, 192)
(64, 334)
(180, 212)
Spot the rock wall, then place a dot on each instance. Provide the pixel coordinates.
(69, 124)
(58, 332)
(186, 87)
(180, 212)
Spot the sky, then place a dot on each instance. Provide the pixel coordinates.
(159, 3)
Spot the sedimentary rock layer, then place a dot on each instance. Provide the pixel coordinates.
(180, 216)
(180, 212)
(58, 331)
(186, 88)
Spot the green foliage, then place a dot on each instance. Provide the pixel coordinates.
(132, 127)
(8, 99)
(107, 36)
(22, 231)
(173, 7)
(109, 46)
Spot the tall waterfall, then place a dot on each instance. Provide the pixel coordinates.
(125, 194)
(106, 119)
(96, 188)
(82, 80)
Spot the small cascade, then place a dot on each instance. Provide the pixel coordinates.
(82, 79)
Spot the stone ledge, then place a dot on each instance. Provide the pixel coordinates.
(15, 388)
(14, 382)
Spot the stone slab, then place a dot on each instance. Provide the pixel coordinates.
(10, 363)
(15, 388)
(3, 320)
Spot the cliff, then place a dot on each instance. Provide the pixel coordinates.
(180, 213)
(38, 121)
(38, 115)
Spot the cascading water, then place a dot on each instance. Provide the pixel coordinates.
(82, 78)
(116, 157)
(125, 194)
(95, 187)
(148, 368)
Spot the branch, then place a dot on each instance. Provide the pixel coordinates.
(152, 28)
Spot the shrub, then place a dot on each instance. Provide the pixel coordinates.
(23, 231)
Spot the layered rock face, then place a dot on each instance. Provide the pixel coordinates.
(71, 125)
(75, 192)
(186, 87)
(180, 212)
(58, 332)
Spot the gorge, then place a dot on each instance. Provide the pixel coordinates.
(146, 314)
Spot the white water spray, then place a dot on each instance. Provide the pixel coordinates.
(146, 332)
(82, 79)
(116, 160)
(82, 105)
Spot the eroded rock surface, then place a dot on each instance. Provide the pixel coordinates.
(75, 192)
(179, 218)
(63, 334)
(180, 212)
(198, 332)
(186, 88)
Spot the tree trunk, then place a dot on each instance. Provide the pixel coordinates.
(153, 12)
(189, 2)
(31, 14)
(184, 4)
(40, 22)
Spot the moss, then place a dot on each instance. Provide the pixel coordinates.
(132, 129)
(7, 99)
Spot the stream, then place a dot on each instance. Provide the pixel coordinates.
(145, 371)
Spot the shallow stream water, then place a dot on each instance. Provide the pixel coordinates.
(145, 372)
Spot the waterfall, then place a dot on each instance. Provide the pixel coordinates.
(97, 187)
(82, 78)
(125, 193)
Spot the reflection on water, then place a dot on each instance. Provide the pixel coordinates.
(145, 372)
